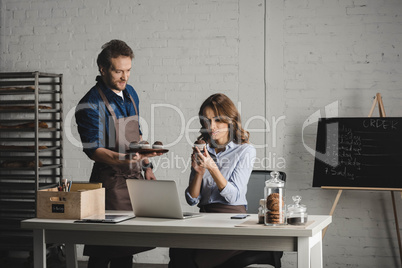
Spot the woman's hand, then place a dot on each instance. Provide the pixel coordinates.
(202, 160)
(195, 163)
(198, 167)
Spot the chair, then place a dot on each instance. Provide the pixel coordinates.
(255, 192)
(255, 188)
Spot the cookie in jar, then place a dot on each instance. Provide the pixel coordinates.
(274, 192)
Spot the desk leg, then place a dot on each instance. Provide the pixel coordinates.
(303, 252)
(316, 252)
(71, 256)
(39, 248)
(309, 251)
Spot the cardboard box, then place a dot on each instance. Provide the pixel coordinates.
(83, 200)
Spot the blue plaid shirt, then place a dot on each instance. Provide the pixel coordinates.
(95, 123)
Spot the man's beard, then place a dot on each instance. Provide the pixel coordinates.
(115, 85)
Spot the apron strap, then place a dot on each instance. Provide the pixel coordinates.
(109, 107)
(135, 106)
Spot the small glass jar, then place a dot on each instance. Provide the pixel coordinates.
(261, 212)
(274, 193)
(297, 213)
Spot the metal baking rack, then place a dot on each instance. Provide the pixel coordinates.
(22, 94)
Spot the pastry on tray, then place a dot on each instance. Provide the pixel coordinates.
(135, 145)
(157, 145)
(145, 147)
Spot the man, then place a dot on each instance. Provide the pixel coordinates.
(107, 119)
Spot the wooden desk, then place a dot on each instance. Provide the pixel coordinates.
(213, 231)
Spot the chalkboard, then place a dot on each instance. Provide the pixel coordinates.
(359, 152)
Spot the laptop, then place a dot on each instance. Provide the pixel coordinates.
(156, 199)
(112, 218)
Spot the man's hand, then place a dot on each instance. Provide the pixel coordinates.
(144, 155)
(149, 174)
(109, 157)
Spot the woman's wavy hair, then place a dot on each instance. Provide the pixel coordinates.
(224, 108)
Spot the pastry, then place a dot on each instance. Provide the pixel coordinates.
(275, 205)
(32, 164)
(17, 88)
(25, 125)
(135, 145)
(15, 147)
(200, 144)
(144, 145)
(13, 164)
(19, 164)
(157, 145)
(275, 217)
(273, 196)
(24, 107)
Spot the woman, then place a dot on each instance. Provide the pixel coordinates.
(219, 174)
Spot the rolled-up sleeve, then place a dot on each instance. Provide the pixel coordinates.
(191, 200)
(91, 126)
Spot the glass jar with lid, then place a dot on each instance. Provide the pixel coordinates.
(261, 212)
(274, 193)
(297, 213)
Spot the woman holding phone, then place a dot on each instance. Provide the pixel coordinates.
(219, 174)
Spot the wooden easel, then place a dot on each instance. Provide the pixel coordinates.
(381, 110)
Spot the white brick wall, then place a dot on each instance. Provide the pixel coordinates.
(312, 53)
(342, 51)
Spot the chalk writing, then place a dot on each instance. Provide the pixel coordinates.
(366, 152)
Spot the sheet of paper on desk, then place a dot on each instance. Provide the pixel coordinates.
(106, 219)
(253, 223)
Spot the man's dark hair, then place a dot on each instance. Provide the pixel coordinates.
(113, 49)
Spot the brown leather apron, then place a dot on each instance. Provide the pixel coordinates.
(113, 178)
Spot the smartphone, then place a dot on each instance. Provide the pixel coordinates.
(240, 216)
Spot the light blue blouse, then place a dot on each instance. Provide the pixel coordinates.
(235, 164)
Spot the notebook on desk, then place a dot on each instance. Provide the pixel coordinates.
(112, 218)
(156, 199)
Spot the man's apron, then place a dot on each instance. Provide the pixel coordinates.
(113, 178)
